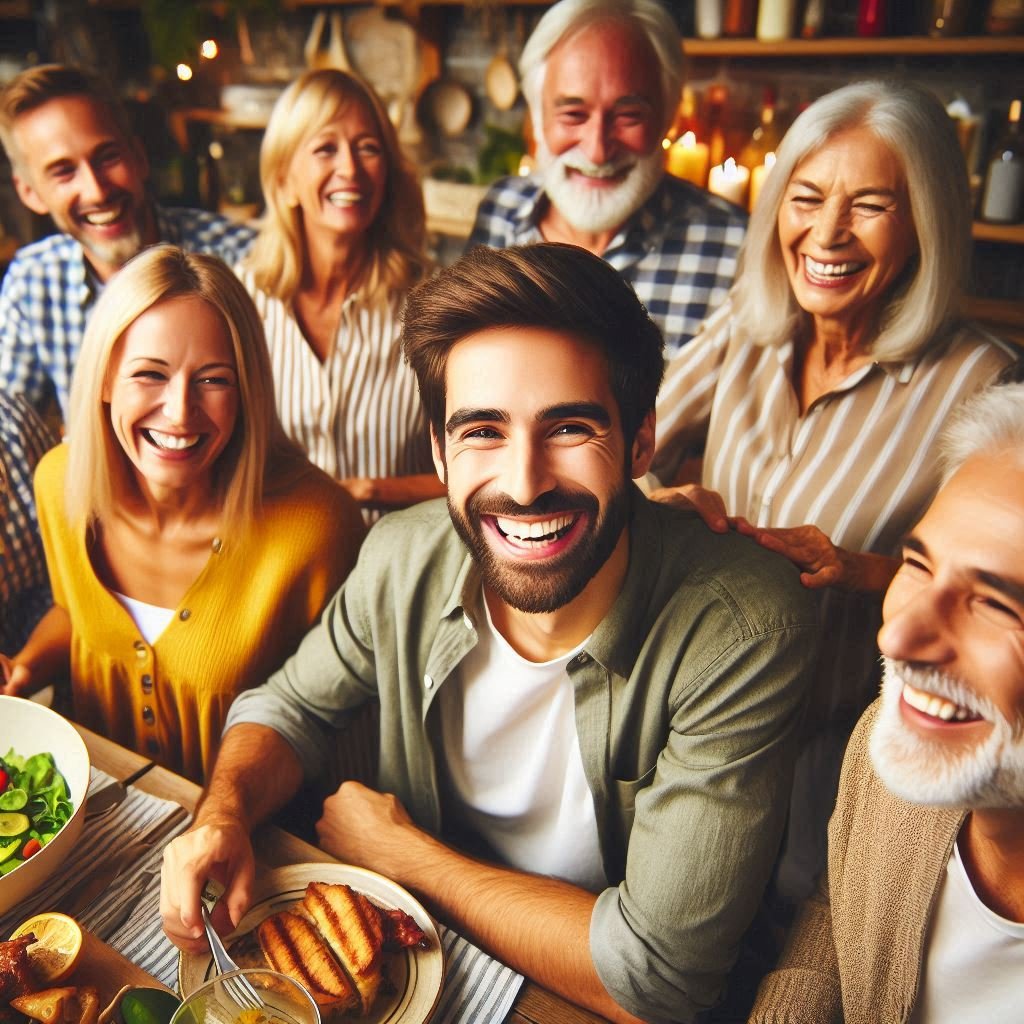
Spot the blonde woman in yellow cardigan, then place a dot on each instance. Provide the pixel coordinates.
(190, 544)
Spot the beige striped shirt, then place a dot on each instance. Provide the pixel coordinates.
(356, 414)
(860, 463)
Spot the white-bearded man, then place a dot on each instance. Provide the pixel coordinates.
(923, 919)
(602, 79)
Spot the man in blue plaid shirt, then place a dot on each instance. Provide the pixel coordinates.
(602, 79)
(24, 586)
(74, 157)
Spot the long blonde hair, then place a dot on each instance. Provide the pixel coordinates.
(98, 469)
(397, 235)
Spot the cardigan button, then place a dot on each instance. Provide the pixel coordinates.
(184, 614)
(428, 681)
(216, 545)
(147, 715)
(147, 683)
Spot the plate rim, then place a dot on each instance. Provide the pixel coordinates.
(267, 886)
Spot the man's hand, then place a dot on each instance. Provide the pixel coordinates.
(369, 829)
(820, 562)
(218, 849)
(706, 503)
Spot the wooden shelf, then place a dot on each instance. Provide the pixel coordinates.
(1004, 317)
(1011, 234)
(895, 46)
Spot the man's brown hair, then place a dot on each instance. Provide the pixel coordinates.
(45, 82)
(553, 287)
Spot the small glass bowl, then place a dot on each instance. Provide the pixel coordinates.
(287, 1001)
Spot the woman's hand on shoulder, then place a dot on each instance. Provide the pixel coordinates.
(706, 503)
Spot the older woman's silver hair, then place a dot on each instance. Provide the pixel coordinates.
(988, 423)
(648, 17)
(926, 300)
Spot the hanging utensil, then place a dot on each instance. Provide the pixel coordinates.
(334, 54)
(500, 80)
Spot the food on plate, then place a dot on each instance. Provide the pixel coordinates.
(72, 1005)
(16, 977)
(146, 1005)
(333, 942)
(35, 803)
(55, 948)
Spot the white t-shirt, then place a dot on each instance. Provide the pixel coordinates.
(974, 959)
(150, 619)
(513, 760)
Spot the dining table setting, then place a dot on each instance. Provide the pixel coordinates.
(110, 885)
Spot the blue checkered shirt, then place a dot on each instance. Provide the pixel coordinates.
(49, 290)
(24, 584)
(678, 251)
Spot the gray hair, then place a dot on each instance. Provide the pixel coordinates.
(926, 301)
(988, 423)
(647, 17)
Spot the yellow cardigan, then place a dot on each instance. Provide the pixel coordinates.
(241, 618)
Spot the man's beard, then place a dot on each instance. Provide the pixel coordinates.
(988, 774)
(539, 587)
(598, 209)
(117, 251)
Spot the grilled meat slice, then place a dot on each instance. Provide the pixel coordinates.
(352, 926)
(401, 931)
(16, 976)
(294, 947)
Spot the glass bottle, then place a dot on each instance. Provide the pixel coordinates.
(1005, 17)
(871, 18)
(1004, 182)
(949, 17)
(766, 136)
(739, 19)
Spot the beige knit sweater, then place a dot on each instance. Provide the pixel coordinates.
(855, 952)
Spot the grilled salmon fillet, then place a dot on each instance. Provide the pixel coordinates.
(351, 924)
(294, 947)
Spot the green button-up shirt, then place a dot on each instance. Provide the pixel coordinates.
(686, 699)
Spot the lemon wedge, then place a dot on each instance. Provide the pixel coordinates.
(57, 948)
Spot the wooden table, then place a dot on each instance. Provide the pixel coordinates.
(276, 848)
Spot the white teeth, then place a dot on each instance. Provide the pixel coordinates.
(100, 218)
(532, 531)
(832, 269)
(936, 707)
(345, 198)
(171, 441)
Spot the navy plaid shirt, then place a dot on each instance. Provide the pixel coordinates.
(24, 584)
(49, 290)
(678, 251)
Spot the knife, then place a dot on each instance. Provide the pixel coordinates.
(104, 800)
(96, 883)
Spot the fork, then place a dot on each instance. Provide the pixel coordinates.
(238, 989)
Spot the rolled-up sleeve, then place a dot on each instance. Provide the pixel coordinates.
(707, 829)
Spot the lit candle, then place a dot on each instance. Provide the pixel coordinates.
(730, 180)
(757, 176)
(688, 159)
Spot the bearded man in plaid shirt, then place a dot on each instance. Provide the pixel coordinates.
(75, 158)
(602, 79)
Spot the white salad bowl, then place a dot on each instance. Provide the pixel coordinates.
(32, 728)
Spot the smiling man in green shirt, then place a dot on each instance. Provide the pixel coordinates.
(587, 701)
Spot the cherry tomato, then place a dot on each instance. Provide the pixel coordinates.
(32, 846)
(4, 779)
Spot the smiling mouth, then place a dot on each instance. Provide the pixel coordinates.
(537, 534)
(105, 216)
(938, 707)
(831, 272)
(171, 442)
(344, 197)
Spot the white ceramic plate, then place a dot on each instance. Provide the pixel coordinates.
(416, 975)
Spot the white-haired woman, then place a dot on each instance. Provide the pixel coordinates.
(190, 544)
(340, 246)
(819, 390)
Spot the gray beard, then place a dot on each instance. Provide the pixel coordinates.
(598, 210)
(988, 775)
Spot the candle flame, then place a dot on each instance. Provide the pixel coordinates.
(729, 171)
(666, 142)
(689, 140)
(184, 72)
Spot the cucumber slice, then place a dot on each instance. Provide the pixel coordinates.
(13, 824)
(9, 849)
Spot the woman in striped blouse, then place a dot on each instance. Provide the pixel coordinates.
(340, 246)
(819, 389)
